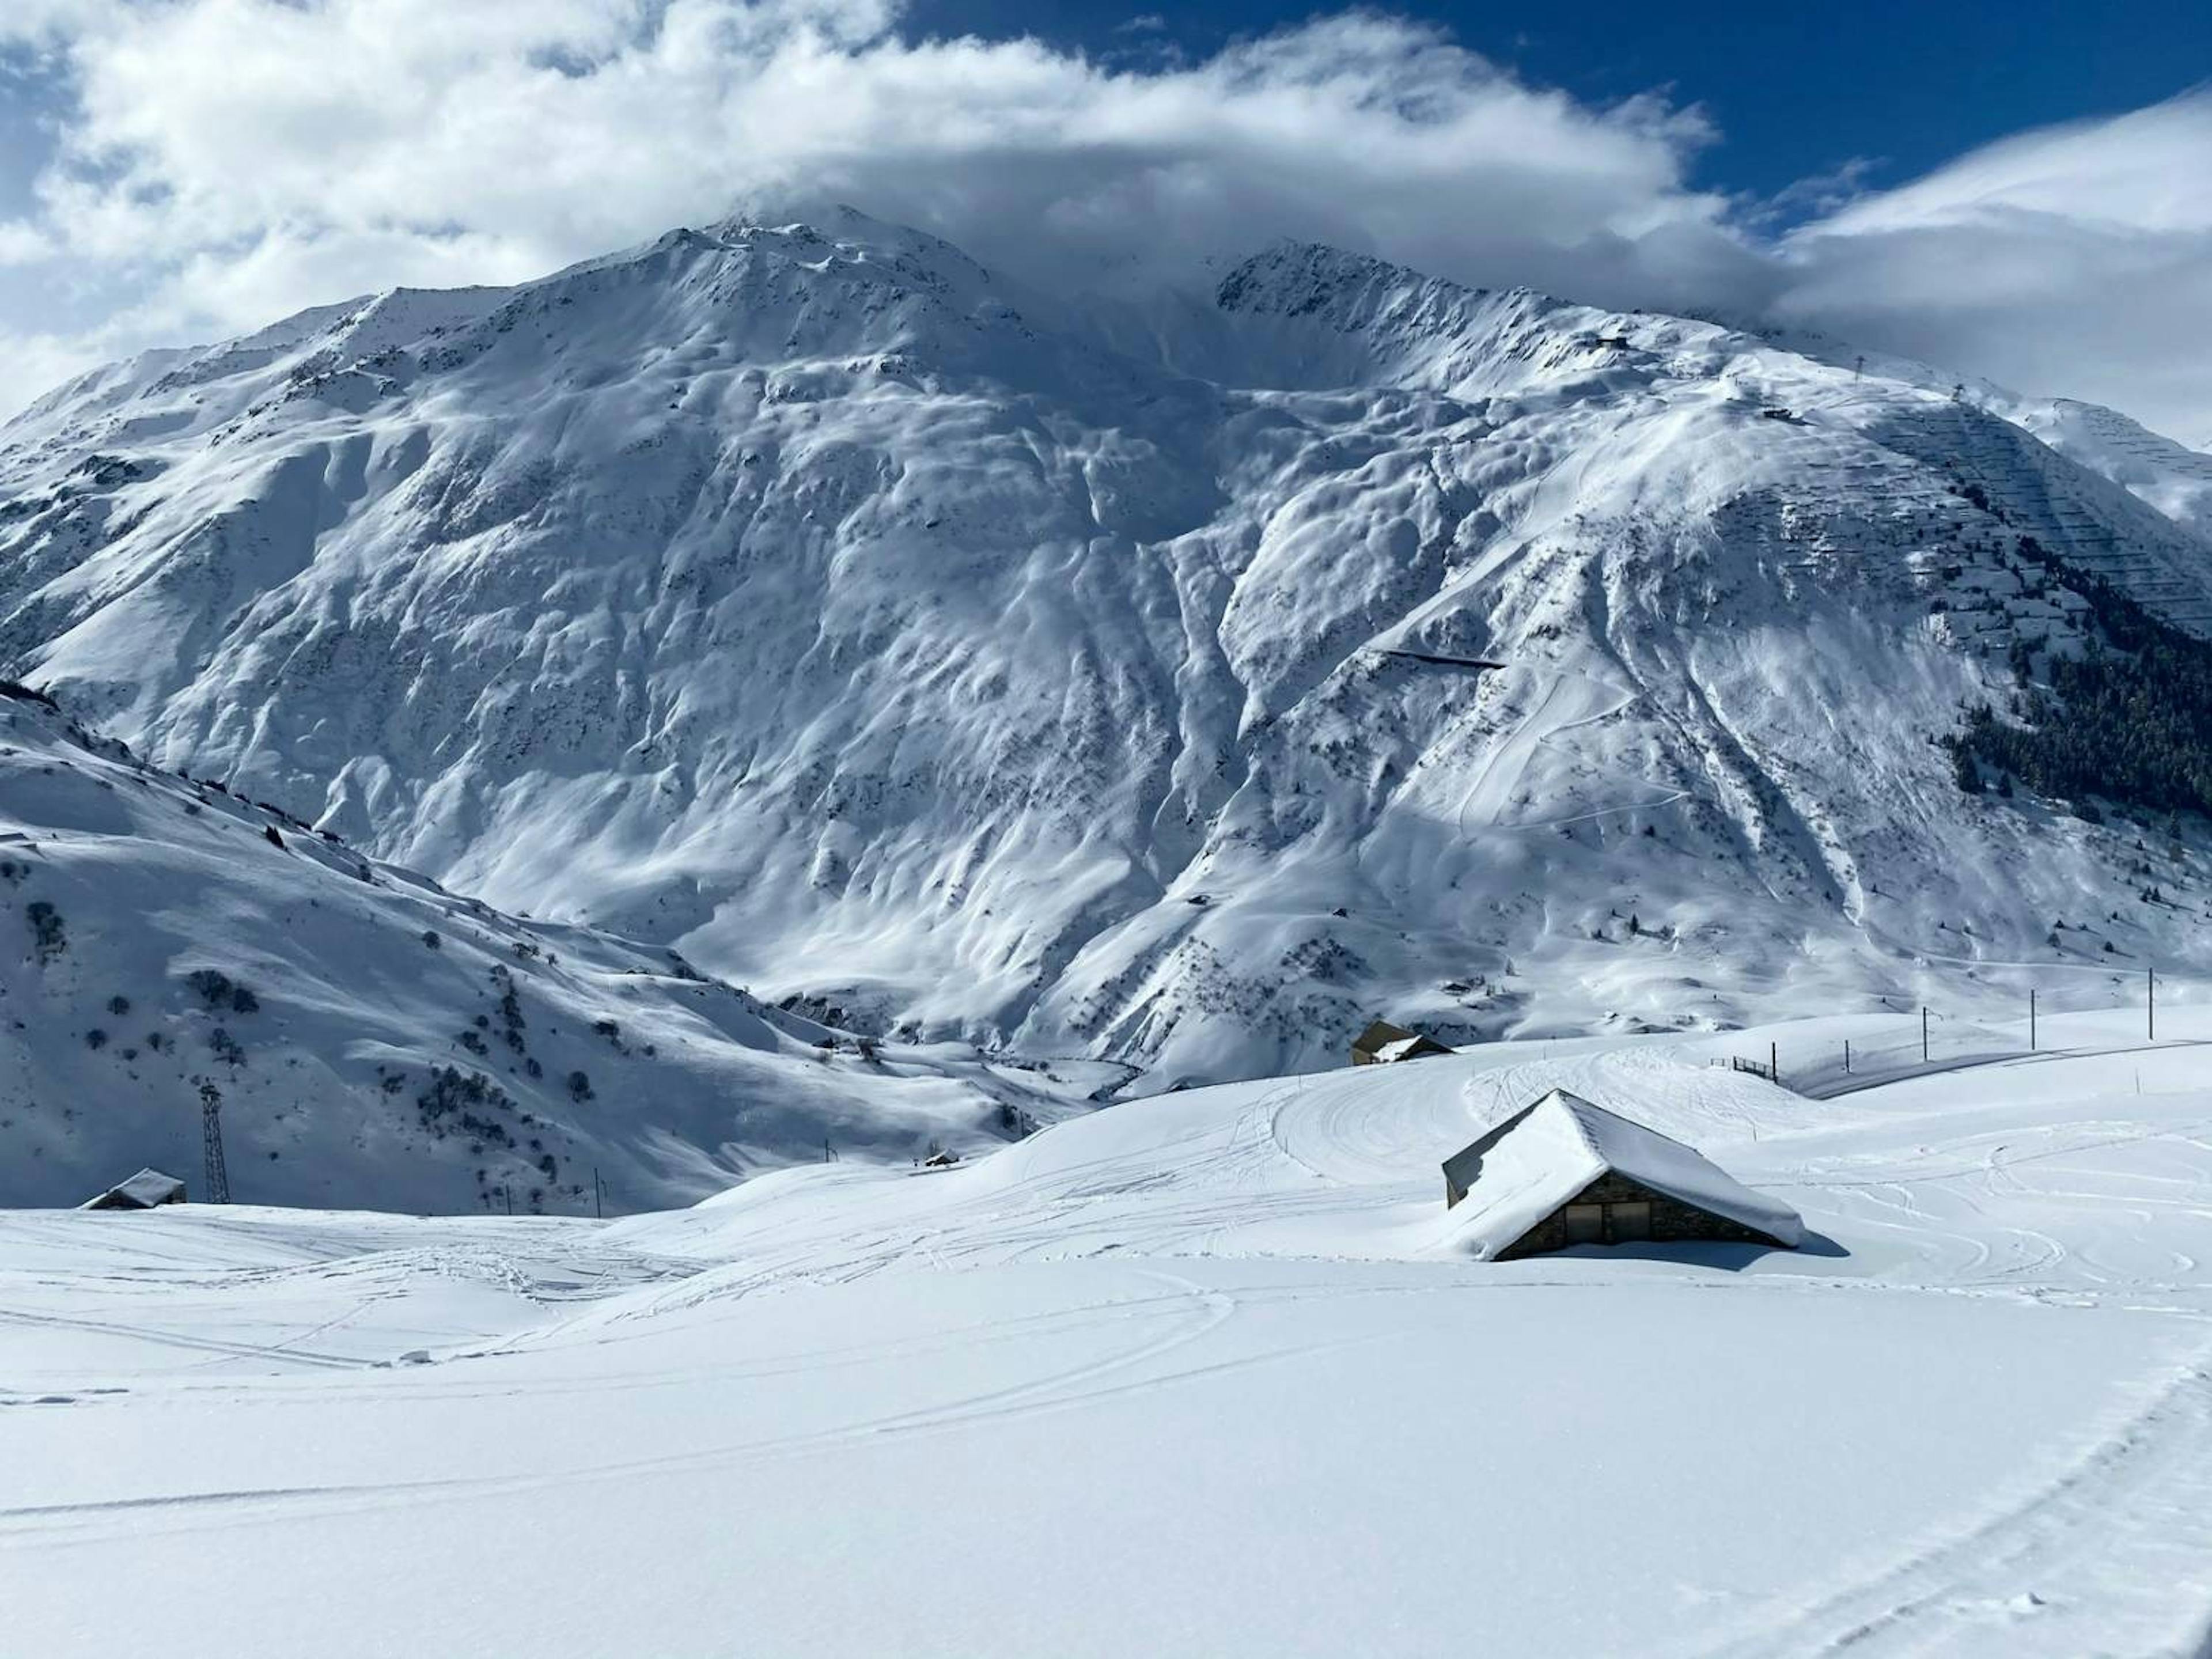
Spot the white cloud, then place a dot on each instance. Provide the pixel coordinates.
(223, 161)
(22, 244)
(2074, 260)
(240, 158)
(37, 362)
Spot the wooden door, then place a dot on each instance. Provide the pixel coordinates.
(1585, 1224)
(1630, 1220)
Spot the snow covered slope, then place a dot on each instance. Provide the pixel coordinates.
(370, 1038)
(2171, 477)
(1206, 1374)
(1097, 678)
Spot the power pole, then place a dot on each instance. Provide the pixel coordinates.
(1923, 1034)
(599, 1205)
(2030, 1021)
(2150, 1005)
(1773, 1066)
(1847, 1057)
(214, 1175)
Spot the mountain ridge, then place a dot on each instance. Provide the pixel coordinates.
(1014, 669)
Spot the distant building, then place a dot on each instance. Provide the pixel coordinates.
(1562, 1172)
(1383, 1043)
(148, 1189)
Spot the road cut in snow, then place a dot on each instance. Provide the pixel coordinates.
(1201, 1374)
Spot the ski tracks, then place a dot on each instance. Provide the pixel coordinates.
(2114, 1557)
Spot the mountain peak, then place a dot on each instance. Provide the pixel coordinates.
(1311, 279)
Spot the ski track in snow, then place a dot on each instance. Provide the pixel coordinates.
(2140, 1496)
(1973, 1417)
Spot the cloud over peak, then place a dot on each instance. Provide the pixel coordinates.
(2075, 260)
(220, 163)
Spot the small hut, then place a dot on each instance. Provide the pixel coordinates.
(148, 1189)
(1383, 1044)
(1562, 1172)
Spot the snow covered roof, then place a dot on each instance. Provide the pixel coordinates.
(1399, 1049)
(142, 1192)
(1523, 1170)
(1378, 1033)
(1383, 1042)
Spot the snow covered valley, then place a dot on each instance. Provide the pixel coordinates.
(737, 722)
(1204, 1374)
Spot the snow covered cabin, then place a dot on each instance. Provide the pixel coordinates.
(146, 1190)
(1383, 1043)
(1562, 1172)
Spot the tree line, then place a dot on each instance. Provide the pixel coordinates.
(2128, 719)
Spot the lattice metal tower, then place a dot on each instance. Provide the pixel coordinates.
(215, 1177)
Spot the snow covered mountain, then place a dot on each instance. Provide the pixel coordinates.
(2173, 478)
(368, 1038)
(1181, 683)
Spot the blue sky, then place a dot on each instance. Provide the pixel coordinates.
(2021, 191)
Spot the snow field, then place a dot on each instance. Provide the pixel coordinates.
(1200, 1374)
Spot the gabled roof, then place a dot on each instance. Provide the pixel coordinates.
(143, 1190)
(1524, 1168)
(1378, 1036)
(1387, 1042)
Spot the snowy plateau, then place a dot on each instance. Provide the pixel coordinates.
(1208, 1373)
(594, 782)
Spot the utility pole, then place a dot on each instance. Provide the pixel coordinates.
(1923, 1034)
(1773, 1066)
(2150, 1005)
(2031, 1020)
(214, 1175)
(1847, 1057)
(599, 1205)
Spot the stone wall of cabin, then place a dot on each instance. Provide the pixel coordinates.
(1671, 1220)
